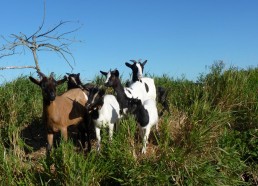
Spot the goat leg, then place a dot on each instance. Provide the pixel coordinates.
(50, 138)
(98, 138)
(64, 133)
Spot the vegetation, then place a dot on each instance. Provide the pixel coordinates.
(209, 138)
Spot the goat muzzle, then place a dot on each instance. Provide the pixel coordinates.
(52, 97)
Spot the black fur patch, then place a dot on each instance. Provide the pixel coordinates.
(146, 87)
(95, 114)
(129, 91)
(143, 117)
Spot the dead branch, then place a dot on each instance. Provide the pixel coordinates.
(49, 40)
(17, 67)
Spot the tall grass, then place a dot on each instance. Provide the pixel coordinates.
(209, 138)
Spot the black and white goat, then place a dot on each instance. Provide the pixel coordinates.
(137, 69)
(104, 110)
(161, 93)
(137, 90)
(59, 112)
(146, 115)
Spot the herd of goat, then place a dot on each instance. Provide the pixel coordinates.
(86, 104)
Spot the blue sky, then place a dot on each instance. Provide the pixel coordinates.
(178, 38)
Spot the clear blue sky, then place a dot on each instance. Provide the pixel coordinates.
(176, 37)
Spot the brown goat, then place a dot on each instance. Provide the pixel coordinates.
(59, 112)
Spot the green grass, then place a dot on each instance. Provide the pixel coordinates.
(209, 138)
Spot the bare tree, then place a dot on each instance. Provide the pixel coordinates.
(49, 40)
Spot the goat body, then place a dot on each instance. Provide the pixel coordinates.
(67, 109)
(146, 115)
(150, 87)
(137, 90)
(104, 110)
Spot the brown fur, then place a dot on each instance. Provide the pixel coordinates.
(67, 109)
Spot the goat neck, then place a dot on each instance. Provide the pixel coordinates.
(120, 95)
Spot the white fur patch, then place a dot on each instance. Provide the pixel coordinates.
(94, 97)
(73, 80)
(108, 76)
(86, 97)
(128, 92)
(139, 73)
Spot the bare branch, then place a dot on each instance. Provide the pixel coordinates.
(60, 24)
(60, 51)
(42, 24)
(7, 54)
(50, 40)
(17, 67)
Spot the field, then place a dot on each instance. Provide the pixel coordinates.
(210, 137)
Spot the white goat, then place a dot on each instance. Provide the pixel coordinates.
(59, 112)
(137, 69)
(104, 110)
(146, 115)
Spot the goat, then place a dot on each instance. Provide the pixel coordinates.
(137, 69)
(146, 115)
(122, 94)
(104, 110)
(59, 112)
(162, 95)
(160, 92)
(74, 81)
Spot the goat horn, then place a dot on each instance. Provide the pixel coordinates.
(40, 74)
(133, 61)
(52, 74)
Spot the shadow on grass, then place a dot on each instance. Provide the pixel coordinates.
(35, 135)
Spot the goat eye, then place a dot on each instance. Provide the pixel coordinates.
(43, 86)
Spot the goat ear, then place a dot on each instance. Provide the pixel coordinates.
(61, 81)
(116, 72)
(33, 80)
(52, 75)
(128, 65)
(104, 73)
(143, 63)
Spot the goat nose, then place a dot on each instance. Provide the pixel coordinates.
(52, 96)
